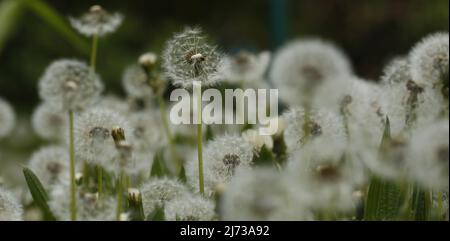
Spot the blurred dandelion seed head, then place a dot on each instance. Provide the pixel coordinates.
(97, 21)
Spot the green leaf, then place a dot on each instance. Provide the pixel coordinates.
(38, 193)
(209, 133)
(10, 11)
(136, 208)
(264, 157)
(421, 204)
(384, 200)
(58, 23)
(158, 169)
(387, 137)
(182, 175)
(157, 215)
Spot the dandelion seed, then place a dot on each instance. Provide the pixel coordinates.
(303, 65)
(263, 194)
(50, 164)
(428, 155)
(69, 85)
(7, 119)
(97, 22)
(157, 192)
(189, 208)
(188, 57)
(93, 136)
(49, 123)
(10, 208)
(429, 61)
(247, 68)
(223, 156)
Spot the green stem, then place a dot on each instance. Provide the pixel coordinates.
(440, 206)
(100, 181)
(119, 197)
(200, 140)
(94, 51)
(73, 200)
(168, 131)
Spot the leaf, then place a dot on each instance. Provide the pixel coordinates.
(421, 204)
(157, 215)
(264, 157)
(387, 137)
(10, 11)
(182, 175)
(136, 208)
(59, 23)
(384, 200)
(209, 133)
(38, 193)
(158, 169)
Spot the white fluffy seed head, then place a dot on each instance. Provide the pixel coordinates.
(89, 206)
(93, 139)
(136, 83)
(49, 123)
(257, 141)
(262, 194)
(319, 123)
(10, 208)
(222, 157)
(7, 118)
(327, 173)
(97, 22)
(148, 131)
(189, 57)
(302, 65)
(156, 192)
(428, 155)
(115, 103)
(429, 60)
(246, 68)
(189, 207)
(70, 85)
(50, 164)
(397, 71)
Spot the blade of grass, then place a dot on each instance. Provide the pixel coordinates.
(10, 11)
(58, 22)
(38, 193)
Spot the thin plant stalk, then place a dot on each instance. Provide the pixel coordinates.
(99, 181)
(94, 51)
(119, 196)
(73, 199)
(198, 87)
(168, 131)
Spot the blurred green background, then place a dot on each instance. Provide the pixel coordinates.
(371, 32)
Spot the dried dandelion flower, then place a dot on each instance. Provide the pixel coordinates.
(70, 85)
(247, 68)
(97, 22)
(303, 65)
(49, 123)
(188, 57)
(156, 192)
(397, 71)
(10, 208)
(136, 83)
(222, 157)
(50, 164)
(7, 119)
(189, 208)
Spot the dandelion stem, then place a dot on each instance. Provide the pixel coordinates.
(119, 196)
(168, 131)
(73, 200)
(200, 138)
(100, 181)
(440, 205)
(94, 51)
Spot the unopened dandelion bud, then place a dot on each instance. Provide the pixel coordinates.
(118, 134)
(148, 60)
(79, 178)
(96, 9)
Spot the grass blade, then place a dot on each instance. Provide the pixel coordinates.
(38, 193)
(10, 11)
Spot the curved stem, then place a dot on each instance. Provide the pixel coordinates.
(94, 51)
(168, 131)
(73, 199)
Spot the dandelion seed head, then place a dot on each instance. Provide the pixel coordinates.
(49, 123)
(70, 85)
(189, 207)
(10, 208)
(320, 123)
(156, 192)
(89, 206)
(97, 21)
(136, 83)
(112, 102)
(222, 157)
(188, 57)
(93, 139)
(302, 65)
(428, 155)
(397, 71)
(262, 194)
(50, 164)
(429, 60)
(246, 67)
(148, 59)
(148, 131)
(7, 118)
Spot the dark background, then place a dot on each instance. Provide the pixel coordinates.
(371, 32)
